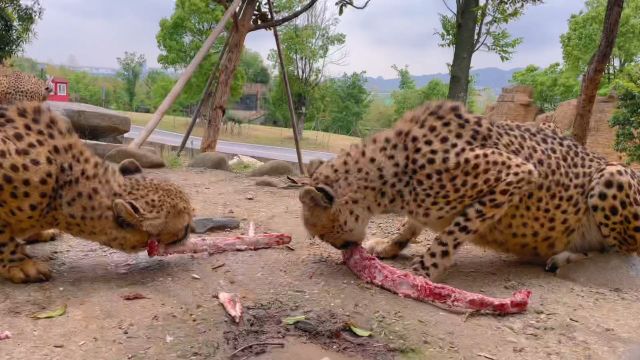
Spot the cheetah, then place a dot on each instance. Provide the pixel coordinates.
(50, 180)
(18, 86)
(511, 187)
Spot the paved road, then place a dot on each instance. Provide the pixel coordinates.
(263, 151)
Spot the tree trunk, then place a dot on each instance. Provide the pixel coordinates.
(595, 70)
(300, 118)
(466, 18)
(230, 59)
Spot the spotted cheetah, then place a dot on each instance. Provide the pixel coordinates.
(19, 86)
(50, 180)
(515, 188)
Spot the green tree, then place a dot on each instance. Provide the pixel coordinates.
(478, 25)
(254, 68)
(17, 25)
(551, 85)
(131, 66)
(582, 38)
(181, 36)
(408, 96)
(309, 43)
(348, 102)
(626, 119)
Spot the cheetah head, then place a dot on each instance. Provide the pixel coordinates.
(150, 210)
(335, 217)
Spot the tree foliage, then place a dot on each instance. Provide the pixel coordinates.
(131, 66)
(408, 96)
(626, 119)
(346, 104)
(181, 36)
(17, 25)
(581, 40)
(551, 85)
(254, 68)
(309, 44)
(490, 33)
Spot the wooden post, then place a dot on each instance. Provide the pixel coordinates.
(597, 64)
(205, 94)
(184, 78)
(285, 79)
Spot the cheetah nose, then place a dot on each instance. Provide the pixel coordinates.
(347, 244)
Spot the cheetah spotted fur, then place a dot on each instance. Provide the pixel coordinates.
(520, 189)
(50, 180)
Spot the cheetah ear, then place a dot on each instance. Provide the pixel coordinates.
(127, 213)
(129, 167)
(319, 196)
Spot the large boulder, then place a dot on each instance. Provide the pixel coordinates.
(273, 168)
(92, 122)
(210, 160)
(515, 104)
(147, 159)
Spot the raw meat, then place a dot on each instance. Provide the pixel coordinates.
(231, 304)
(218, 245)
(405, 284)
(5, 335)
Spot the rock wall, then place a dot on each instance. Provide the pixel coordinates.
(515, 104)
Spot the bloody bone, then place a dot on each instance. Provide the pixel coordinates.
(220, 244)
(405, 284)
(231, 304)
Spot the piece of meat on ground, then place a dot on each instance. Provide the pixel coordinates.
(370, 269)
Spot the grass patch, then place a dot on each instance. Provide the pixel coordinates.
(172, 160)
(242, 167)
(255, 134)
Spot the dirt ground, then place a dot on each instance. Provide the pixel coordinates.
(585, 312)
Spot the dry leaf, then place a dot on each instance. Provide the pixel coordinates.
(51, 314)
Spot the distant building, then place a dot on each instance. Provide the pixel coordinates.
(250, 106)
(60, 90)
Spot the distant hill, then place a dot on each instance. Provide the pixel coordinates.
(492, 78)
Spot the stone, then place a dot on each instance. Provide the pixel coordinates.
(205, 225)
(101, 149)
(268, 182)
(210, 160)
(514, 104)
(92, 122)
(146, 159)
(245, 160)
(273, 168)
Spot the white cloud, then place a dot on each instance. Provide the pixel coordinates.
(399, 32)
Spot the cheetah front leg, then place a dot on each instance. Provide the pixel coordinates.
(390, 248)
(500, 180)
(16, 265)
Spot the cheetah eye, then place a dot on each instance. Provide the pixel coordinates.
(123, 223)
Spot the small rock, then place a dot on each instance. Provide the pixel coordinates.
(145, 158)
(250, 197)
(266, 181)
(58, 346)
(306, 326)
(204, 225)
(273, 168)
(195, 276)
(210, 160)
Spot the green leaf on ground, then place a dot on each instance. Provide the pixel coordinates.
(51, 314)
(293, 319)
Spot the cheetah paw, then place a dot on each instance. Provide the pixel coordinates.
(28, 271)
(381, 248)
(559, 260)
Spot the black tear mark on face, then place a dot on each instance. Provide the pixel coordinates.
(326, 193)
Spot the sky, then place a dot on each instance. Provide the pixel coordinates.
(387, 32)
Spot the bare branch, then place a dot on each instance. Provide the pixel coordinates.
(286, 19)
(351, 4)
(448, 7)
